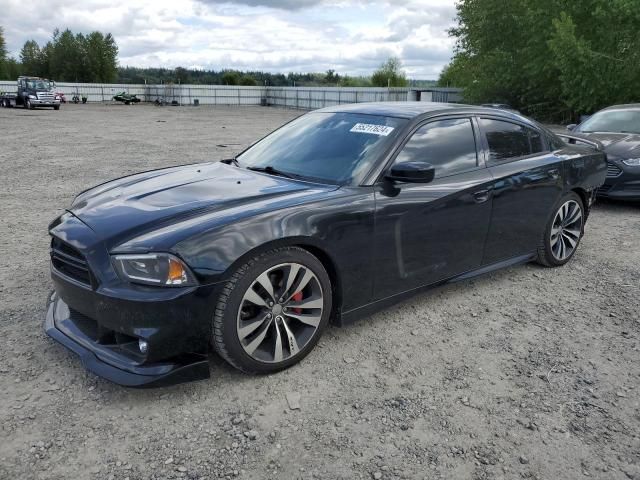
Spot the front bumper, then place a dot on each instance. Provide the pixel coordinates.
(134, 335)
(36, 102)
(624, 185)
(111, 361)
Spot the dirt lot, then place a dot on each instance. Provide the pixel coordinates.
(525, 373)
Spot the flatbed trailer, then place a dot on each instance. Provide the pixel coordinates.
(8, 99)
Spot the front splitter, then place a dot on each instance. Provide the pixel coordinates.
(190, 367)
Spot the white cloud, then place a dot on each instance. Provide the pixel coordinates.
(352, 37)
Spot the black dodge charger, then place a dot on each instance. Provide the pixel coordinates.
(331, 217)
(618, 129)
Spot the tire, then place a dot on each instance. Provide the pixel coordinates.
(27, 104)
(257, 337)
(567, 226)
(56, 107)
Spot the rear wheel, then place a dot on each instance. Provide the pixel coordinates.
(563, 233)
(272, 311)
(56, 107)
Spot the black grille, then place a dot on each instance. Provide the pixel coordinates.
(69, 261)
(613, 170)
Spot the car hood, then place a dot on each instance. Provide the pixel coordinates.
(617, 145)
(140, 203)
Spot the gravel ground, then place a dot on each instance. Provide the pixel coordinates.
(524, 373)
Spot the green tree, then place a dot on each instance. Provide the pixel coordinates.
(31, 58)
(331, 77)
(230, 77)
(346, 81)
(3, 56)
(247, 81)
(182, 75)
(109, 70)
(390, 74)
(550, 58)
(13, 68)
(73, 57)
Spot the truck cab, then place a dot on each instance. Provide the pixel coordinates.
(36, 92)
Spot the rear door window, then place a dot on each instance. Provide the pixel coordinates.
(510, 140)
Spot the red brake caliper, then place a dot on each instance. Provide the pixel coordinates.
(297, 297)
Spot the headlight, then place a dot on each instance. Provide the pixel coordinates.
(32, 96)
(161, 269)
(632, 162)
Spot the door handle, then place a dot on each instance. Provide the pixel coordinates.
(481, 196)
(554, 173)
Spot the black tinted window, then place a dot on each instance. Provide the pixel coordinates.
(448, 145)
(509, 140)
(537, 144)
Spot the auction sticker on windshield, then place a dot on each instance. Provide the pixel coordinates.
(382, 130)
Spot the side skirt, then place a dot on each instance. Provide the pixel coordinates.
(352, 315)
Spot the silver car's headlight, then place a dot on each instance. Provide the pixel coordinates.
(632, 162)
(160, 269)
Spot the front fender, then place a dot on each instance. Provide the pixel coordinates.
(340, 228)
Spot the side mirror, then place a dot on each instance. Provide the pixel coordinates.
(571, 127)
(412, 172)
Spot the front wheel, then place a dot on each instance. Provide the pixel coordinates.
(563, 233)
(27, 104)
(56, 107)
(272, 311)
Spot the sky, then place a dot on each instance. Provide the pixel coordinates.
(350, 37)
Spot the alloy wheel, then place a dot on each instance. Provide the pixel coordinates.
(280, 313)
(566, 230)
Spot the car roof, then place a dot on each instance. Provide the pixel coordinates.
(626, 106)
(390, 109)
(412, 109)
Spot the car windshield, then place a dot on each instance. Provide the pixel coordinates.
(335, 148)
(617, 121)
(37, 85)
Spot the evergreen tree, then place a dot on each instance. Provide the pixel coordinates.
(3, 56)
(31, 58)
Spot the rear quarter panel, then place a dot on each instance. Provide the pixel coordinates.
(585, 167)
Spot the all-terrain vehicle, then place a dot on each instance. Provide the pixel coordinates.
(126, 98)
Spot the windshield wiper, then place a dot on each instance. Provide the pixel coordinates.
(272, 171)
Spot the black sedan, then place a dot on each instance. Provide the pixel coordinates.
(331, 217)
(618, 129)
